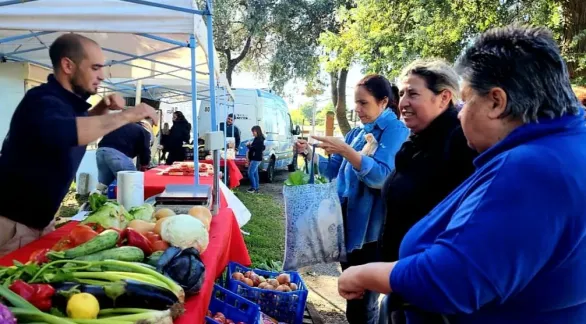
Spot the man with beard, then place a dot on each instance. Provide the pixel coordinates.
(47, 139)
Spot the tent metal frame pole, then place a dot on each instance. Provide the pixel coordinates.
(193, 47)
(158, 5)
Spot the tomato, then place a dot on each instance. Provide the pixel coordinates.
(39, 256)
(81, 234)
(152, 236)
(64, 243)
(160, 245)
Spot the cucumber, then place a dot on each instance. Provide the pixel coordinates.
(124, 253)
(105, 240)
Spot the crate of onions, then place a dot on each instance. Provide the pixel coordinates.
(279, 295)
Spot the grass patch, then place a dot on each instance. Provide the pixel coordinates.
(266, 241)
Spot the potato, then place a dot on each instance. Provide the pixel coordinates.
(237, 276)
(293, 286)
(203, 214)
(273, 282)
(283, 288)
(163, 212)
(284, 279)
(248, 282)
(248, 274)
(141, 226)
(263, 285)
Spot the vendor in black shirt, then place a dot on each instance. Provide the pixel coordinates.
(47, 139)
(117, 149)
(231, 131)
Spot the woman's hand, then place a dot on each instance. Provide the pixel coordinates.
(354, 281)
(333, 145)
(349, 283)
(303, 147)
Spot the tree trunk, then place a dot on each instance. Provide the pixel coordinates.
(233, 62)
(229, 70)
(334, 87)
(574, 13)
(341, 103)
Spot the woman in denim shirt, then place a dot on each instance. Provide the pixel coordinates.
(360, 164)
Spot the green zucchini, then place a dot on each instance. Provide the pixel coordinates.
(154, 258)
(124, 253)
(105, 240)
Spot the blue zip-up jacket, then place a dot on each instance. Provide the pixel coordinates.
(509, 244)
(361, 188)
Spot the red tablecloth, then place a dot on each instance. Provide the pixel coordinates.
(154, 183)
(226, 244)
(233, 171)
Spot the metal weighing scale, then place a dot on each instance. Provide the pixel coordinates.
(180, 198)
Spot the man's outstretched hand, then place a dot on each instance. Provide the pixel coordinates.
(140, 112)
(110, 102)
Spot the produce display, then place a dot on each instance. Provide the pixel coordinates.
(281, 295)
(117, 267)
(187, 168)
(282, 282)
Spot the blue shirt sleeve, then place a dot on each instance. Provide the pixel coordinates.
(499, 238)
(375, 170)
(53, 124)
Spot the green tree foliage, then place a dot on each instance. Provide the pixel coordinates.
(320, 116)
(273, 38)
(296, 116)
(307, 111)
(386, 35)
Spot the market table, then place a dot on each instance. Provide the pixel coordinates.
(154, 183)
(226, 244)
(234, 174)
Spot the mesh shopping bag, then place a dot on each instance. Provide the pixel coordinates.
(314, 224)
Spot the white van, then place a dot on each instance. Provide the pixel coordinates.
(269, 111)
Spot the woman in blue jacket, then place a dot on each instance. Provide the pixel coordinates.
(508, 245)
(360, 163)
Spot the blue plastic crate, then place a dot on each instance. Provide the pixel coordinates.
(234, 307)
(287, 307)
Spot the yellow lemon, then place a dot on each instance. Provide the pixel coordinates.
(83, 306)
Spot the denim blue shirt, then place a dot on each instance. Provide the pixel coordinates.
(361, 188)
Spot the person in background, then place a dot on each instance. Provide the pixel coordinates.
(506, 246)
(163, 140)
(360, 164)
(255, 154)
(117, 149)
(231, 130)
(179, 134)
(54, 121)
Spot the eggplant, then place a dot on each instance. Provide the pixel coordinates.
(184, 266)
(123, 294)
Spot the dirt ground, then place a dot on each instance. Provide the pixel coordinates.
(322, 280)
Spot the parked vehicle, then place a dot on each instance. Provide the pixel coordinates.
(269, 111)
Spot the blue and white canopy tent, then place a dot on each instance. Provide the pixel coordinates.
(145, 43)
